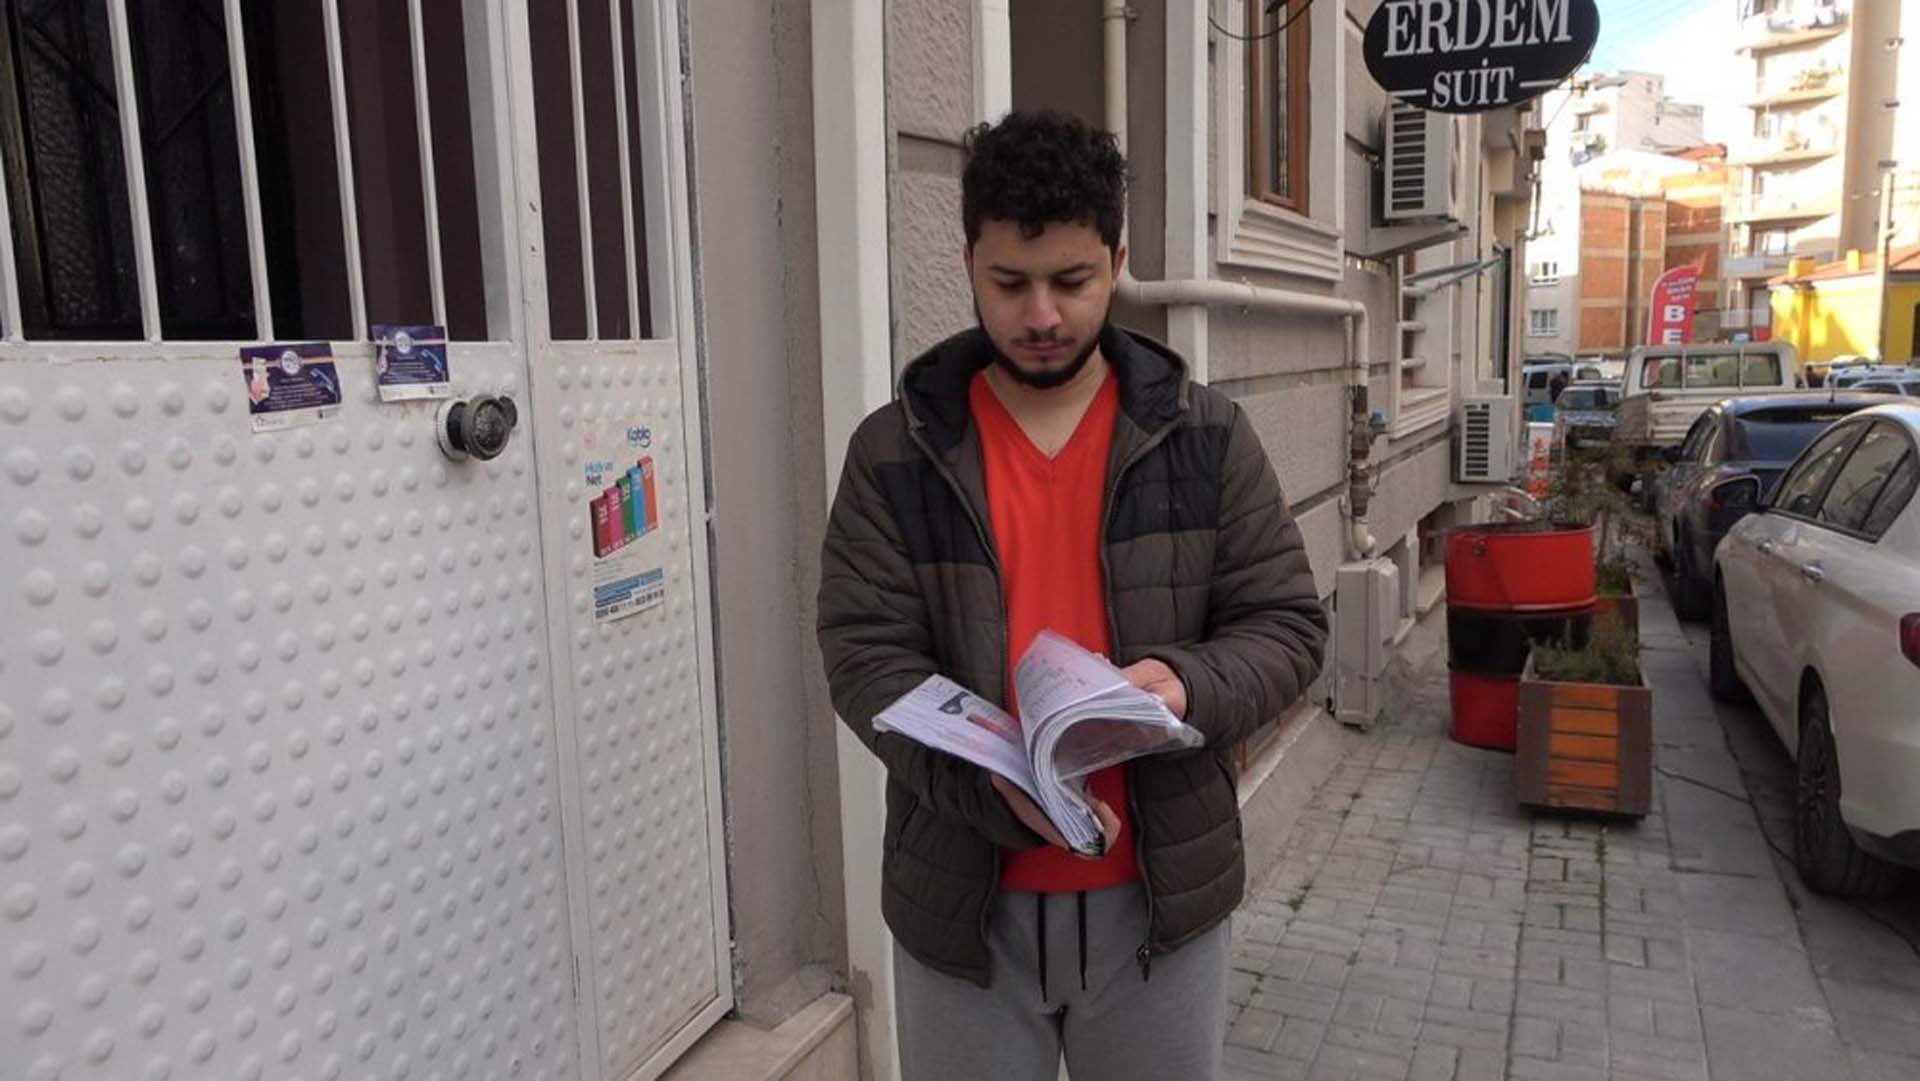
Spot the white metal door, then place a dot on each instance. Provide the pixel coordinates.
(628, 613)
(281, 711)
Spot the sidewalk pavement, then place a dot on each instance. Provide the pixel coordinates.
(1420, 925)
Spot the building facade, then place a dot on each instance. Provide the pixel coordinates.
(1827, 136)
(1601, 240)
(1848, 308)
(327, 746)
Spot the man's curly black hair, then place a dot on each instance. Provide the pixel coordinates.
(1042, 167)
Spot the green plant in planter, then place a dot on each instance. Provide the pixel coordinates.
(1614, 577)
(1611, 656)
(1579, 495)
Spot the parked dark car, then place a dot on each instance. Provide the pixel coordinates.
(1693, 503)
(1583, 415)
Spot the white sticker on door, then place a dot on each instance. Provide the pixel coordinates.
(290, 384)
(411, 362)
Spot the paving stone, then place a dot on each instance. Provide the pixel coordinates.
(1536, 1037)
(1300, 1039)
(1425, 927)
(1243, 1064)
(1433, 1062)
(1255, 1028)
(1751, 972)
(1749, 1043)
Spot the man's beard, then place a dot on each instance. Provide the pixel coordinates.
(1044, 380)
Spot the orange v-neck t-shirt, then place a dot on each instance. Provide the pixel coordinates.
(1047, 529)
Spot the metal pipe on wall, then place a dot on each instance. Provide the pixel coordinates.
(1213, 292)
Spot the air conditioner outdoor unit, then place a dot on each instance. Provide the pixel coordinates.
(1422, 166)
(1488, 450)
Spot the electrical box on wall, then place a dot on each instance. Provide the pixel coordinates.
(1367, 600)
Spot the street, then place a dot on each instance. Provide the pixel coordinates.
(1421, 925)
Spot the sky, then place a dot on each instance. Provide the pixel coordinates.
(1685, 40)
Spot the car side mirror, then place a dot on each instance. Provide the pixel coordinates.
(1740, 493)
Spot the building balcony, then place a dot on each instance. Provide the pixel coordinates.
(1783, 207)
(1777, 99)
(1806, 24)
(1754, 266)
(1790, 148)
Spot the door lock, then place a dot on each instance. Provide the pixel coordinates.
(477, 427)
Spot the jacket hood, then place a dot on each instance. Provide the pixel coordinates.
(1153, 382)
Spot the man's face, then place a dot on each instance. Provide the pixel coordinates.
(1042, 300)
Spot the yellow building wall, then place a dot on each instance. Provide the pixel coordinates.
(1842, 316)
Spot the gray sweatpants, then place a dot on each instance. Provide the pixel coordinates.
(1119, 1027)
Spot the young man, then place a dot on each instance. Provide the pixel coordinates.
(1046, 470)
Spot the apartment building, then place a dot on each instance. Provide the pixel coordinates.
(1825, 82)
(1612, 142)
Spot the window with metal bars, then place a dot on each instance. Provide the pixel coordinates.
(300, 169)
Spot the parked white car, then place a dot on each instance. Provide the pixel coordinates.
(1816, 615)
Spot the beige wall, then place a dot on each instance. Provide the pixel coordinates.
(930, 105)
(754, 242)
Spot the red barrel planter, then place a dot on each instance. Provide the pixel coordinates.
(1521, 567)
(1509, 585)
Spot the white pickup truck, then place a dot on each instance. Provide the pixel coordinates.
(1666, 387)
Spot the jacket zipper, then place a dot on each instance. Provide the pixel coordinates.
(1144, 955)
(1006, 631)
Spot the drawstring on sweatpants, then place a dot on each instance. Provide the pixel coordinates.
(1040, 933)
(1083, 940)
(1040, 921)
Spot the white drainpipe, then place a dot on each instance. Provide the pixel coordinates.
(1214, 292)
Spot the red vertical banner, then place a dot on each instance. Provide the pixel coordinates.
(1670, 309)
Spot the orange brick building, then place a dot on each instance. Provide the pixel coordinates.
(1632, 230)
(1622, 251)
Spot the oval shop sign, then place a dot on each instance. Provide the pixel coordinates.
(1469, 56)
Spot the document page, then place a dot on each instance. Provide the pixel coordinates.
(947, 717)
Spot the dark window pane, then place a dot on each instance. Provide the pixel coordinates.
(1894, 499)
(559, 180)
(1800, 492)
(293, 148)
(1858, 486)
(604, 168)
(192, 156)
(636, 169)
(454, 165)
(1779, 435)
(66, 178)
(386, 161)
(1278, 114)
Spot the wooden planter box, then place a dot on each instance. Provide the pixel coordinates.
(1585, 746)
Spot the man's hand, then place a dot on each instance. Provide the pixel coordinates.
(1155, 678)
(1030, 814)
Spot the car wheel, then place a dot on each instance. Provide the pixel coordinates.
(1824, 852)
(1723, 679)
(1691, 601)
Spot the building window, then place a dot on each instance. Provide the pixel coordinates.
(1546, 272)
(1277, 120)
(1543, 322)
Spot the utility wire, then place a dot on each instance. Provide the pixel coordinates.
(1264, 35)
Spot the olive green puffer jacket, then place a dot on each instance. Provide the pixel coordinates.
(1204, 569)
